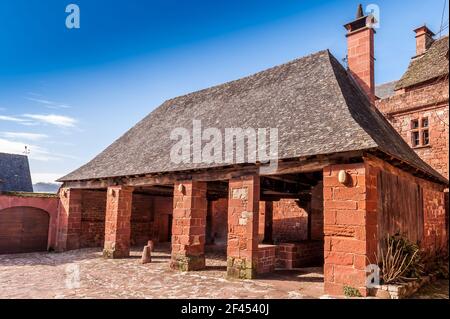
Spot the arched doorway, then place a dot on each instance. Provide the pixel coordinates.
(23, 229)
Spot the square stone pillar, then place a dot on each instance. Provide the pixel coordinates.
(189, 226)
(69, 219)
(243, 220)
(118, 222)
(350, 226)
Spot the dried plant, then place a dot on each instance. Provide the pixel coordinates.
(400, 262)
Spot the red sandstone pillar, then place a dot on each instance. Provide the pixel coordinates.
(188, 226)
(350, 227)
(118, 222)
(243, 219)
(69, 219)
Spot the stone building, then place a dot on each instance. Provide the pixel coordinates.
(417, 104)
(345, 178)
(27, 220)
(15, 173)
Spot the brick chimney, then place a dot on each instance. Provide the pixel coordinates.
(360, 51)
(424, 39)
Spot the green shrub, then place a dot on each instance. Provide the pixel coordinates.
(351, 292)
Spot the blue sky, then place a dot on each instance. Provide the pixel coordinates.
(68, 94)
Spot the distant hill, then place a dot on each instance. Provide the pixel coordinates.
(46, 187)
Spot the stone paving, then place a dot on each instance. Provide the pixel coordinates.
(53, 275)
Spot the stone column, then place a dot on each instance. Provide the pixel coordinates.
(350, 226)
(188, 226)
(118, 222)
(69, 219)
(243, 219)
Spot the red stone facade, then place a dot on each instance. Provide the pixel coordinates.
(348, 217)
(266, 259)
(69, 219)
(425, 101)
(118, 222)
(299, 254)
(243, 220)
(49, 204)
(290, 221)
(219, 220)
(189, 226)
(93, 208)
(361, 61)
(353, 218)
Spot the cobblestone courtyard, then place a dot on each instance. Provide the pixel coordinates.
(44, 275)
(47, 275)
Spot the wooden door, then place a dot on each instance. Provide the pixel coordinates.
(23, 229)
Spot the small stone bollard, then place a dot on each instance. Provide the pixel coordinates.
(150, 245)
(146, 255)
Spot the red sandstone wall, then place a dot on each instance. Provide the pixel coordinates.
(290, 222)
(430, 100)
(142, 219)
(317, 213)
(219, 221)
(146, 218)
(349, 226)
(163, 209)
(49, 204)
(93, 218)
(434, 232)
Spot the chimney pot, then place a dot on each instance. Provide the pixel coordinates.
(360, 52)
(424, 39)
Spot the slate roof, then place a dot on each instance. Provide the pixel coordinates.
(14, 173)
(313, 101)
(431, 65)
(385, 90)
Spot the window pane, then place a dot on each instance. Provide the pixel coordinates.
(415, 139)
(426, 137)
(425, 122)
(414, 124)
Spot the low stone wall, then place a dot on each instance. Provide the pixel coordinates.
(300, 254)
(401, 291)
(266, 259)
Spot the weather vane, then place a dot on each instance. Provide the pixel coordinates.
(26, 151)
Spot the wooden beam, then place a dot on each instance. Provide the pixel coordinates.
(298, 167)
(293, 166)
(282, 178)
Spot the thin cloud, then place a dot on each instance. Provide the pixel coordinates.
(23, 136)
(57, 120)
(12, 119)
(49, 104)
(36, 152)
